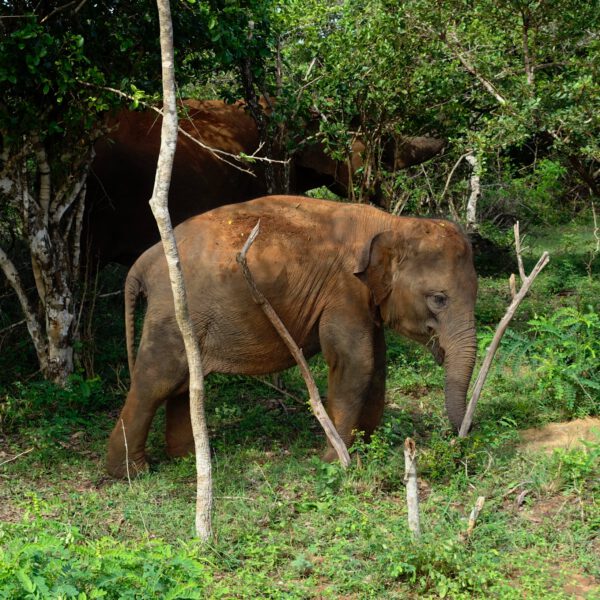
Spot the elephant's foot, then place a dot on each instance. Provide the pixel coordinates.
(180, 449)
(330, 455)
(122, 470)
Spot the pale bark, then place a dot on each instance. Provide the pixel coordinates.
(51, 216)
(519, 251)
(412, 490)
(159, 205)
(475, 185)
(33, 324)
(474, 514)
(491, 351)
(295, 351)
(466, 62)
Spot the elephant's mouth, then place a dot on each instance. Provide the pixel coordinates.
(433, 344)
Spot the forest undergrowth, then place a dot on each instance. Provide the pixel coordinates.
(290, 526)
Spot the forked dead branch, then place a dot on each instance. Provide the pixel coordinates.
(296, 352)
(517, 298)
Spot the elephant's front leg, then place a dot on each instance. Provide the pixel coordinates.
(355, 354)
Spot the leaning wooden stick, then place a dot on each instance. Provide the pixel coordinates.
(412, 492)
(491, 351)
(313, 392)
(474, 514)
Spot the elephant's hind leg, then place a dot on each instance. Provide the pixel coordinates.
(126, 446)
(160, 373)
(180, 438)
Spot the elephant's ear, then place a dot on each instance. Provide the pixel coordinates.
(375, 264)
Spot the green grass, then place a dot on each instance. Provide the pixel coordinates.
(286, 524)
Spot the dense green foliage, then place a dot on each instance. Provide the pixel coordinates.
(513, 82)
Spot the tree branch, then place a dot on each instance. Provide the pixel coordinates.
(468, 65)
(491, 351)
(314, 398)
(159, 206)
(218, 153)
(33, 324)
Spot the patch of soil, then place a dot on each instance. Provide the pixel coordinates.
(578, 585)
(560, 435)
(547, 509)
(8, 512)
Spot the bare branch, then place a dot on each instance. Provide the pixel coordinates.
(13, 326)
(218, 153)
(491, 351)
(474, 514)
(519, 251)
(16, 456)
(33, 325)
(314, 397)
(452, 173)
(468, 65)
(160, 210)
(412, 491)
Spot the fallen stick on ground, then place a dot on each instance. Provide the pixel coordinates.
(502, 326)
(15, 457)
(296, 352)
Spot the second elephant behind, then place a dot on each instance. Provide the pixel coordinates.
(336, 273)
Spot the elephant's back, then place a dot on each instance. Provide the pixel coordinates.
(295, 233)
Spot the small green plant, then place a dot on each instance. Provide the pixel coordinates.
(579, 467)
(564, 351)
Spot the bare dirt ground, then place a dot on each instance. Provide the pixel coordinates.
(579, 586)
(560, 435)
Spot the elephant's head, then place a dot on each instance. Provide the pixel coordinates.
(422, 278)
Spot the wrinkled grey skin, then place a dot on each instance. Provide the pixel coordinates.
(336, 273)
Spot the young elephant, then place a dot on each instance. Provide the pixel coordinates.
(336, 273)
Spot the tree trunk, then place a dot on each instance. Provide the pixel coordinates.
(159, 205)
(52, 220)
(475, 186)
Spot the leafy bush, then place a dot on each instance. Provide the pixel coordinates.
(564, 351)
(42, 400)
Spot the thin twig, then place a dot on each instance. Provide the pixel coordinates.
(220, 154)
(13, 326)
(449, 178)
(129, 479)
(314, 398)
(280, 390)
(126, 453)
(15, 457)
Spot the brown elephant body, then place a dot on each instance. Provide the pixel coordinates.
(334, 272)
(119, 225)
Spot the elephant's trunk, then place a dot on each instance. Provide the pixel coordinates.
(460, 346)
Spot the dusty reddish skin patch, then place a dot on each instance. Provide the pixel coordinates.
(560, 435)
(118, 224)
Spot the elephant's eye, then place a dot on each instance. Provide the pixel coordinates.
(437, 301)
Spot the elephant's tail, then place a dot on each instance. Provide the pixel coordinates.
(133, 288)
